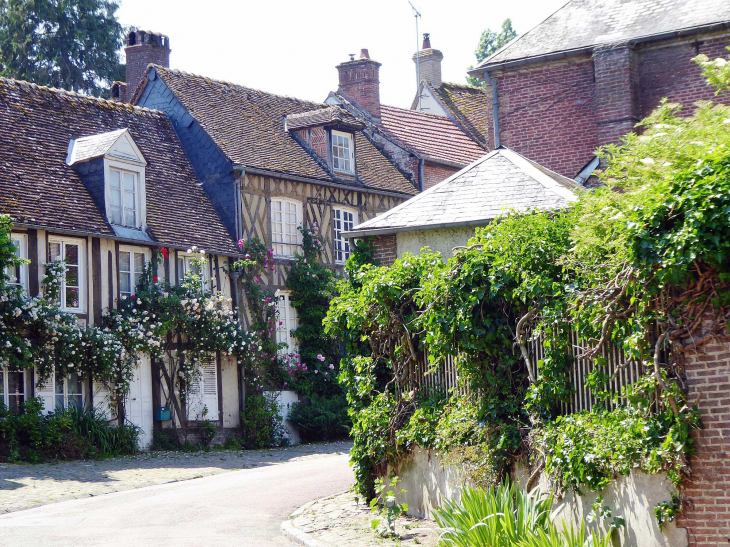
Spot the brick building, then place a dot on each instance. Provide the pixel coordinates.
(428, 146)
(584, 76)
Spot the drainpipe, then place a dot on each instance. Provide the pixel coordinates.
(420, 173)
(495, 109)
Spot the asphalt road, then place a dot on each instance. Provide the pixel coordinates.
(240, 508)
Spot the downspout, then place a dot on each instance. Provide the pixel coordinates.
(495, 108)
(421, 162)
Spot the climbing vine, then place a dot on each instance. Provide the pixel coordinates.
(640, 264)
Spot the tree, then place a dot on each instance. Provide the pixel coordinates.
(69, 44)
(489, 42)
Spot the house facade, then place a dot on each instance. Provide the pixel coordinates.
(107, 187)
(588, 73)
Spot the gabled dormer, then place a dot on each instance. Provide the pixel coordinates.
(113, 169)
(329, 134)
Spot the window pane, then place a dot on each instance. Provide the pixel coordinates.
(114, 178)
(74, 384)
(55, 251)
(75, 401)
(14, 402)
(72, 276)
(124, 261)
(15, 383)
(138, 263)
(72, 297)
(72, 254)
(124, 284)
(115, 197)
(116, 216)
(129, 218)
(180, 268)
(59, 402)
(128, 182)
(59, 387)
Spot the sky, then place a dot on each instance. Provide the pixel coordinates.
(292, 47)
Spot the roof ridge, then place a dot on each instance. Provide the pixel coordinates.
(467, 86)
(75, 95)
(417, 113)
(232, 84)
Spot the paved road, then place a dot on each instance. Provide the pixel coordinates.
(241, 508)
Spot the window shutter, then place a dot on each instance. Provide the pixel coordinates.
(102, 399)
(47, 394)
(204, 393)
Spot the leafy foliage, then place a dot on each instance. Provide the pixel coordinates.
(489, 42)
(321, 418)
(27, 435)
(69, 44)
(261, 422)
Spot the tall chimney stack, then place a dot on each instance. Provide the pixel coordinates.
(141, 49)
(430, 61)
(360, 83)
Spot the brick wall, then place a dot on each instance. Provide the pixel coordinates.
(434, 173)
(557, 113)
(142, 49)
(386, 250)
(706, 511)
(360, 83)
(546, 113)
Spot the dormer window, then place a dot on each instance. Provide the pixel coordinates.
(113, 169)
(123, 194)
(343, 152)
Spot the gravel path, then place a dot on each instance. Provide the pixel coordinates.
(23, 486)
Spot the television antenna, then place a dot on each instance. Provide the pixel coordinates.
(417, 14)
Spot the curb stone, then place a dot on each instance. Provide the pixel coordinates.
(298, 536)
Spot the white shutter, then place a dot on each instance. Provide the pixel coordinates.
(102, 399)
(209, 380)
(204, 393)
(47, 393)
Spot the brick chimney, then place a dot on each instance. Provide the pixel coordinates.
(430, 62)
(360, 83)
(141, 49)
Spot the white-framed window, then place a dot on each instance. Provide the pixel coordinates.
(124, 197)
(18, 275)
(69, 391)
(185, 264)
(287, 322)
(131, 267)
(343, 152)
(286, 217)
(73, 285)
(344, 220)
(12, 388)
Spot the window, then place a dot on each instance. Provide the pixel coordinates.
(72, 286)
(344, 220)
(203, 393)
(343, 158)
(131, 268)
(12, 388)
(123, 195)
(185, 265)
(18, 275)
(286, 217)
(69, 392)
(287, 323)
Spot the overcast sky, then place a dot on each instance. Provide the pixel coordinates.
(292, 47)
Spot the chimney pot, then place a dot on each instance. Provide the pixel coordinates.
(426, 40)
(360, 83)
(142, 48)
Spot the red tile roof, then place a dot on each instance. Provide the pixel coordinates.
(435, 137)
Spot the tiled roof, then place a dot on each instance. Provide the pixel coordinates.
(470, 106)
(500, 181)
(95, 146)
(248, 127)
(323, 116)
(38, 188)
(429, 135)
(582, 24)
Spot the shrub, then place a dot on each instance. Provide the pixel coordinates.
(27, 435)
(165, 439)
(261, 422)
(321, 418)
(504, 516)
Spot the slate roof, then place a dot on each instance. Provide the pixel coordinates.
(95, 146)
(581, 24)
(38, 188)
(500, 181)
(323, 116)
(248, 126)
(435, 137)
(470, 106)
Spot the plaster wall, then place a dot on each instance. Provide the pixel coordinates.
(429, 483)
(230, 398)
(442, 241)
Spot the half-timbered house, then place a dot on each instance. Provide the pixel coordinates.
(105, 186)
